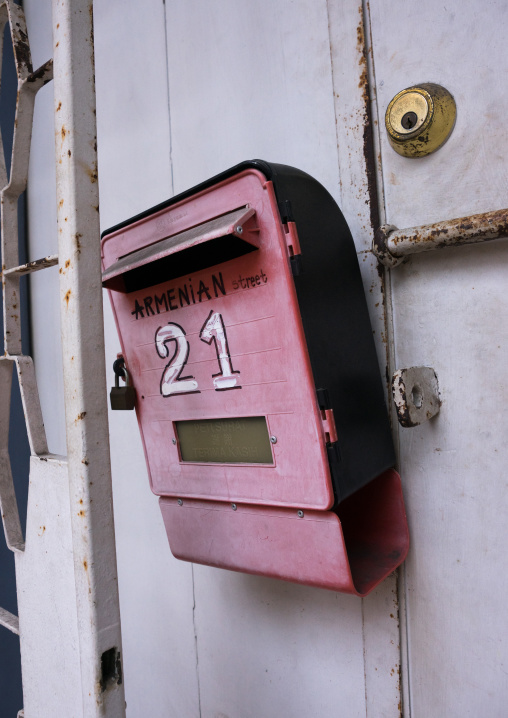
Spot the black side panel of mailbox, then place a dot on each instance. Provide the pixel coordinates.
(337, 328)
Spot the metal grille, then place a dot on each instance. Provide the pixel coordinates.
(85, 472)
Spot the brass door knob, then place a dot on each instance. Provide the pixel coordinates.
(420, 119)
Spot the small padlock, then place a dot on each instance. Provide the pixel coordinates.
(122, 397)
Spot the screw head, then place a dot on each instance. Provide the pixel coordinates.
(239, 229)
(173, 441)
(300, 514)
(234, 507)
(179, 502)
(273, 439)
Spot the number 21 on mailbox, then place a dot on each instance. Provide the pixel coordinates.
(213, 329)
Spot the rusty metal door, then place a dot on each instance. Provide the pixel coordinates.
(450, 312)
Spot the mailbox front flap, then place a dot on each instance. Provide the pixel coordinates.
(352, 552)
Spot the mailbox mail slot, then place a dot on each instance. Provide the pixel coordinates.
(243, 323)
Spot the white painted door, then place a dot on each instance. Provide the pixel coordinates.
(187, 89)
(450, 312)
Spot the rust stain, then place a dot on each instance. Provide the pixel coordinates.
(81, 416)
(67, 263)
(22, 49)
(59, 107)
(370, 157)
(63, 132)
(81, 501)
(92, 173)
(399, 684)
(85, 462)
(81, 513)
(77, 237)
(85, 565)
(38, 75)
(67, 296)
(69, 153)
(368, 139)
(60, 204)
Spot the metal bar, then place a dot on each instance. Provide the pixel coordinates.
(13, 184)
(391, 245)
(31, 406)
(33, 266)
(8, 503)
(29, 83)
(9, 620)
(87, 428)
(18, 176)
(4, 18)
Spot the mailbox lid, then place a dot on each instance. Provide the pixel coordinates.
(227, 236)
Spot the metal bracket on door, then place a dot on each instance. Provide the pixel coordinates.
(392, 246)
(415, 393)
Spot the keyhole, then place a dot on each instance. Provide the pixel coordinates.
(409, 120)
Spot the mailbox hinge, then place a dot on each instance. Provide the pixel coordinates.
(331, 439)
(327, 417)
(293, 246)
(328, 422)
(291, 236)
(292, 241)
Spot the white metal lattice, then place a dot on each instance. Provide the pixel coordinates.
(69, 620)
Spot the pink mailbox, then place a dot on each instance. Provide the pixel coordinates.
(243, 324)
